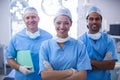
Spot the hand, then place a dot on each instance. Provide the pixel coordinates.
(73, 70)
(25, 69)
(108, 56)
(47, 65)
(94, 67)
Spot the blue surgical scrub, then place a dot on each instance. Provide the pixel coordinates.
(72, 55)
(97, 51)
(21, 42)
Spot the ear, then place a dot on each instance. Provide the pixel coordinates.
(38, 19)
(87, 26)
(71, 24)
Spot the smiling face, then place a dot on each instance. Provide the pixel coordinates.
(31, 20)
(62, 25)
(94, 21)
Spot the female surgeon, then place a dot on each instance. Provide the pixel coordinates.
(63, 57)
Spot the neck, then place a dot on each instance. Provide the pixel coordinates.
(32, 30)
(62, 36)
(93, 32)
(61, 44)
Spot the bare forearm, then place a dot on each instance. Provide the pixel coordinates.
(81, 75)
(103, 65)
(13, 64)
(56, 74)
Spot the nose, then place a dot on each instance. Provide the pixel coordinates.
(30, 19)
(94, 21)
(62, 25)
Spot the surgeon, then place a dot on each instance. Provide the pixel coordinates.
(63, 57)
(100, 47)
(28, 39)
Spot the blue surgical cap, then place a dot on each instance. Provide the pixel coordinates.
(63, 11)
(30, 10)
(93, 9)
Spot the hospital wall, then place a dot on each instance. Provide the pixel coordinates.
(4, 22)
(4, 28)
(110, 12)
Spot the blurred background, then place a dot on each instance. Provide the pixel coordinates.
(11, 21)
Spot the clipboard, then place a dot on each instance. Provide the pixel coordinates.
(24, 58)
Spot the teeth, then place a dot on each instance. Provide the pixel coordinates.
(62, 31)
(94, 25)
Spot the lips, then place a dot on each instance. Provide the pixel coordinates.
(62, 30)
(94, 25)
(32, 23)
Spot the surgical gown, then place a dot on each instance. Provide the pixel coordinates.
(97, 51)
(72, 55)
(21, 42)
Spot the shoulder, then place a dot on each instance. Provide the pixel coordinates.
(78, 45)
(106, 36)
(76, 42)
(19, 34)
(47, 43)
(44, 32)
(83, 37)
(17, 37)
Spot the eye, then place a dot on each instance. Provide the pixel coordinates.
(33, 17)
(66, 23)
(91, 19)
(27, 17)
(58, 23)
(97, 19)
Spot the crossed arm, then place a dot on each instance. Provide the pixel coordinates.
(103, 65)
(63, 75)
(68, 74)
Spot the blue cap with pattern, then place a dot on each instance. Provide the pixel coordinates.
(30, 10)
(63, 11)
(93, 9)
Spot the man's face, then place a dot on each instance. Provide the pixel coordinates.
(31, 20)
(94, 22)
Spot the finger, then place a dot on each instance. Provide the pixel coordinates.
(28, 66)
(28, 71)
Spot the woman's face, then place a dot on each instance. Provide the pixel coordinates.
(62, 25)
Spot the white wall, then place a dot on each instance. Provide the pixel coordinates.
(4, 22)
(110, 10)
